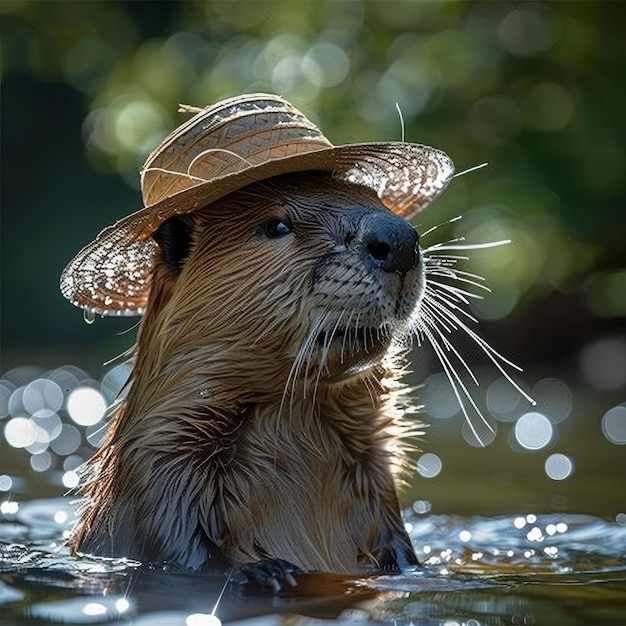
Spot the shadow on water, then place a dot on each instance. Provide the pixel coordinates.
(546, 569)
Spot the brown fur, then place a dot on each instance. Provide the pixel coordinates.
(245, 433)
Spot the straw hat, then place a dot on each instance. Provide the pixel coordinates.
(225, 147)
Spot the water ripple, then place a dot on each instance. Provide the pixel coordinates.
(461, 557)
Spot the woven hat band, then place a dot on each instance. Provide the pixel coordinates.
(239, 134)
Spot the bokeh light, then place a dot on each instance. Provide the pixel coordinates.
(554, 399)
(72, 462)
(503, 401)
(41, 396)
(325, 64)
(20, 432)
(603, 363)
(41, 462)
(480, 433)
(548, 107)
(422, 506)
(437, 397)
(84, 609)
(56, 417)
(429, 465)
(86, 406)
(529, 31)
(70, 479)
(6, 391)
(614, 424)
(559, 466)
(51, 423)
(67, 442)
(604, 292)
(533, 431)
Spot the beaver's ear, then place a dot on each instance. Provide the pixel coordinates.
(174, 239)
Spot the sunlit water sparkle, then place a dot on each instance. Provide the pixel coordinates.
(461, 557)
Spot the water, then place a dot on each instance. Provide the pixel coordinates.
(525, 569)
(549, 545)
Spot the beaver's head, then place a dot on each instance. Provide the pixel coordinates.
(298, 277)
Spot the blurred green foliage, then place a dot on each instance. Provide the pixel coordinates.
(536, 89)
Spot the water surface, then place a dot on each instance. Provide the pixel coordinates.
(524, 569)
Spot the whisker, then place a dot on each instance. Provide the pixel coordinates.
(460, 294)
(467, 246)
(443, 312)
(345, 335)
(401, 120)
(494, 356)
(443, 260)
(432, 229)
(323, 360)
(470, 169)
(302, 357)
(431, 321)
(310, 346)
(451, 300)
(440, 244)
(457, 274)
(457, 384)
(327, 343)
(486, 348)
(356, 330)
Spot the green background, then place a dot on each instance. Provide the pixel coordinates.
(534, 89)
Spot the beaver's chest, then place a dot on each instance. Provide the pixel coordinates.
(302, 498)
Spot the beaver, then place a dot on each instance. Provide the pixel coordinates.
(263, 426)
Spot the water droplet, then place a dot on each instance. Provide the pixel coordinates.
(89, 316)
(204, 393)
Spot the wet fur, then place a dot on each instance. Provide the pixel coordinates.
(256, 423)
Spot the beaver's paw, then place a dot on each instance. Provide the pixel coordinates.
(272, 573)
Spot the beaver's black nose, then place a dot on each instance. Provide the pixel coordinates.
(391, 243)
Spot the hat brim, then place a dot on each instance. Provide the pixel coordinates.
(111, 275)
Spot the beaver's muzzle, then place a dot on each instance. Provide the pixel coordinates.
(390, 243)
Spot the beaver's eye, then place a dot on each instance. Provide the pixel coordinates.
(277, 227)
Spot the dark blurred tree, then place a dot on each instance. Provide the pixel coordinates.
(534, 88)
